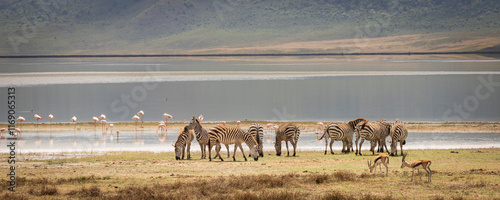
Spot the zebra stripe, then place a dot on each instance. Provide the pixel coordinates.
(288, 133)
(201, 135)
(373, 132)
(231, 135)
(341, 132)
(257, 132)
(185, 137)
(398, 134)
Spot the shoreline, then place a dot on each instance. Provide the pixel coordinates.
(306, 126)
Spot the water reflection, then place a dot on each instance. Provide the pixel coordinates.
(148, 140)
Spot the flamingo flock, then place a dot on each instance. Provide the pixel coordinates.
(162, 125)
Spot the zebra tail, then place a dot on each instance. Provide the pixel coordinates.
(322, 136)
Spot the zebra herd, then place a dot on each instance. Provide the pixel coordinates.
(361, 129)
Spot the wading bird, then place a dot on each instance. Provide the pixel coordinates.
(104, 122)
(161, 127)
(166, 117)
(95, 119)
(51, 117)
(102, 117)
(73, 119)
(141, 114)
(37, 117)
(136, 119)
(20, 120)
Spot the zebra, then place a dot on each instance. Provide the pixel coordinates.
(384, 134)
(201, 135)
(231, 135)
(257, 132)
(398, 134)
(370, 131)
(288, 133)
(340, 132)
(185, 137)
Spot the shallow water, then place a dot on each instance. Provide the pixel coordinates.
(84, 141)
(280, 90)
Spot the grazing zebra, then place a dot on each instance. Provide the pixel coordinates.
(201, 135)
(257, 132)
(383, 135)
(231, 135)
(398, 134)
(341, 132)
(370, 131)
(185, 137)
(288, 133)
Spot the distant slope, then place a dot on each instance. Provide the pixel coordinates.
(245, 26)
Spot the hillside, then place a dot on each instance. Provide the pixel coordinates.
(246, 26)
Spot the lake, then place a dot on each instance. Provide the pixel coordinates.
(419, 89)
(88, 141)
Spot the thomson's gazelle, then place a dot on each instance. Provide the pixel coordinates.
(417, 164)
(380, 159)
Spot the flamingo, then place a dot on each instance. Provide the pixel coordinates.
(272, 128)
(37, 117)
(102, 117)
(20, 120)
(104, 122)
(161, 127)
(200, 118)
(18, 132)
(166, 117)
(136, 119)
(111, 132)
(73, 119)
(51, 117)
(223, 123)
(1, 131)
(141, 113)
(95, 119)
(238, 123)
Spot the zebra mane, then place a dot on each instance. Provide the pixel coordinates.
(354, 122)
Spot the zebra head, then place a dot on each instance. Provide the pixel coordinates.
(254, 153)
(277, 146)
(192, 123)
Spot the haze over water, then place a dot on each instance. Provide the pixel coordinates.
(265, 89)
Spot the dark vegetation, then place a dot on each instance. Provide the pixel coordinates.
(60, 26)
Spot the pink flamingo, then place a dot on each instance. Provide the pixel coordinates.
(73, 119)
(20, 120)
(166, 117)
(104, 122)
(238, 123)
(95, 119)
(111, 132)
(272, 128)
(161, 127)
(136, 119)
(37, 117)
(200, 118)
(18, 133)
(102, 117)
(141, 114)
(1, 132)
(51, 117)
(223, 123)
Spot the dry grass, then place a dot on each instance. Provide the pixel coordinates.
(311, 175)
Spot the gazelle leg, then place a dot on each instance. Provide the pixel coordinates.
(412, 171)
(419, 174)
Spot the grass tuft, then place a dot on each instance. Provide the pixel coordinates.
(44, 190)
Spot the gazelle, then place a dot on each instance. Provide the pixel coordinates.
(380, 159)
(417, 164)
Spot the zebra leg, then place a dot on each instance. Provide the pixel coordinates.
(234, 153)
(189, 151)
(401, 145)
(218, 151)
(202, 150)
(209, 151)
(183, 149)
(357, 138)
(227, 148)
(287, 152)
(331, 144)
(326, 144)
(294, 147)
(242, 152)
(360, 145)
